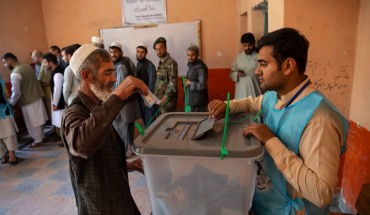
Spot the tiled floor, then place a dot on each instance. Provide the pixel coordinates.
(41, 184)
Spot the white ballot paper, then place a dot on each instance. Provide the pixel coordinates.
(149, 99)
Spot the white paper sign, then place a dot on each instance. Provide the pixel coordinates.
(143, 11)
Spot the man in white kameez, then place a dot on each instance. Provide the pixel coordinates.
(70, 85)
(56, 86)
(243, 68)
(27, 93)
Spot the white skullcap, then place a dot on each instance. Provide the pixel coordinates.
(97, 40)
(80, 55)
(116, 45)
(143, 45)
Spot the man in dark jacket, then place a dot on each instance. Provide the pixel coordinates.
(96, 153)
(196, 81)
(56, 87)
(145, 71)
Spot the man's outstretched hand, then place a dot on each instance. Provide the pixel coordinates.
(135, 165)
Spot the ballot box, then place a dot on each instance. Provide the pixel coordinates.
(185, 174)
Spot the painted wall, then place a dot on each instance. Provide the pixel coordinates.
(255, 18)
(332, 49)
(218, 27)
(338, 67)
(356, 168)
(337, 54)
(70, 22)
(22, 30)
(360, 103)
(276, 14)
(85, 18)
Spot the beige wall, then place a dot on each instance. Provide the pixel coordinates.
(331, 29)
(276, 14)
(360, 103)
(329, 25)
(85, 18)
(76, 21)
(22, 30)
(255, 18)
(218, 27)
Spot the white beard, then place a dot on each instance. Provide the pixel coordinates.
(101, 94)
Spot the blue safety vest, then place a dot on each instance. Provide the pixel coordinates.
(5, 109)
(271, 196)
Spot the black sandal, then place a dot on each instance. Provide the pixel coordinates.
(5, 159)
(16, 161)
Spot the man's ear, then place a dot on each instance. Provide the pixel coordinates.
(86, 76)
(289, 66)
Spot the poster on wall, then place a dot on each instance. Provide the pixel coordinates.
(137, 12)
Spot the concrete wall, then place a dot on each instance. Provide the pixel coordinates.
(360, 102)
(338, 66)
(276, 14)
(338, 31)
(356, 170)
(255, 18)
(22, 30)
(85, 18)
(330, 29)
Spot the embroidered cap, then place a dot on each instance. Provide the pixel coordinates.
(142, 45)
(80, 55)
(97, 40)
(116, 45)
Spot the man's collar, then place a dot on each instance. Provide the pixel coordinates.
(285, 98)
(163, 59)
(89, 102)
(119, 60)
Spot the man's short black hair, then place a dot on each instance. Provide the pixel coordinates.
(10, 55)
(76, 46)
(55, 48)
(247, 38)
(49, 57)
(69, 50)
(287, 43)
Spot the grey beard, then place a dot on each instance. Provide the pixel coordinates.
(101, 94)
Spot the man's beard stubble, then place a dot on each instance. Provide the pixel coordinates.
(101, 91)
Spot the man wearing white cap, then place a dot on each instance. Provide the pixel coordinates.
(145, 70)
(96, 153)
(97, 41)
(125, 120)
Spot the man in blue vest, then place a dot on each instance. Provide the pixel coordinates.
(302, 132)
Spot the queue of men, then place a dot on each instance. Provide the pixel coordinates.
(53, 81)
(299, 124)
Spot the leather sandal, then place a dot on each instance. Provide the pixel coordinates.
(16, 161)
(5, 159)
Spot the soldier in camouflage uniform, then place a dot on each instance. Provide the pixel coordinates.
(166, 83)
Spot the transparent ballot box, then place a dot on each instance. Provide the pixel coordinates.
(184, 170)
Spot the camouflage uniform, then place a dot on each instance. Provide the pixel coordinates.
(166, 83)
